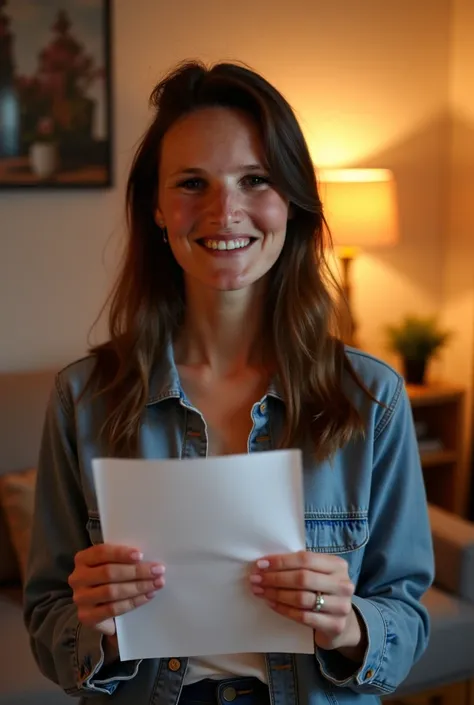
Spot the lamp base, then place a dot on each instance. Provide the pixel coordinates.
(348, 324)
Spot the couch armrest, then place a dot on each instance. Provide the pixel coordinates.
(453, 540)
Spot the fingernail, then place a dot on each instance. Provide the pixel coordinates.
(254, 578)
(263, 564)
(271, 604)
(157, 570)
(136, 556)
(158, 582)
(257, 590)
(150, 595)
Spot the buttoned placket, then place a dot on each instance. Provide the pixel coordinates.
(281, 673)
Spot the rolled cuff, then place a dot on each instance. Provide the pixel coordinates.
(92, 675)
(342, 672)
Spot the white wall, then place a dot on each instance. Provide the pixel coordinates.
(458, 309)
(370, 83)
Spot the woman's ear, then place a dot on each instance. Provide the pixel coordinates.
(159, 218)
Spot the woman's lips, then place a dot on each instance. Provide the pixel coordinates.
(226, 245)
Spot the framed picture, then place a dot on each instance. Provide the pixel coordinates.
(55, 94)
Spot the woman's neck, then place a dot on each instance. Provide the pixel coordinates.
(223, 330)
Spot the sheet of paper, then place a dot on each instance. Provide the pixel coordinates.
(207, 520)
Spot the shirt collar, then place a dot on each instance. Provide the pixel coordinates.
(165, 384)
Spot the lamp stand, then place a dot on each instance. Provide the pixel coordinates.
(346, 257)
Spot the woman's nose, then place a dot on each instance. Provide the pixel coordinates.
(224, 208)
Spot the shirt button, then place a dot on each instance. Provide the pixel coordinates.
(229, 694)
(263, 407)
(369, 674)
(174, 664)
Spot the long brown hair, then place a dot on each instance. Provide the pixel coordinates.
(148, 300)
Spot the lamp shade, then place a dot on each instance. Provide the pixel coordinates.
(360, 206)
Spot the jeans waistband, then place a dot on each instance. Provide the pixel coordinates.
(237, 691)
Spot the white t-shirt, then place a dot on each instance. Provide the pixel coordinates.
(217, 421)
(226, 666)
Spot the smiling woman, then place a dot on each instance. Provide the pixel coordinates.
(221, 342)
(226, 222)
(225, 156)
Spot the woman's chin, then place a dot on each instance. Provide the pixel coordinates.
(224, 280)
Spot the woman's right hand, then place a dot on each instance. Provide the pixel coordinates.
(108, 581)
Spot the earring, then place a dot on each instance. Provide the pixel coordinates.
(164, 232)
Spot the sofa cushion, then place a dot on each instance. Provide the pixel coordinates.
(23, 400)
(21, 682)
(453, 540)
(448, 657)
(17, 492)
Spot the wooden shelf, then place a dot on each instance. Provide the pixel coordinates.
(439, 408)
(433, 394)
(431, 459)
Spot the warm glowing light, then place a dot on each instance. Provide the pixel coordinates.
(360, 206)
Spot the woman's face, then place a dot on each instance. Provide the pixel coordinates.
(226, 223)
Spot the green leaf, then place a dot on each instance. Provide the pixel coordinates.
(417, 338)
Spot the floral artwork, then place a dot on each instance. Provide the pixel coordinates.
(55, 126)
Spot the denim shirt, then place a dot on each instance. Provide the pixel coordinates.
(367, 504)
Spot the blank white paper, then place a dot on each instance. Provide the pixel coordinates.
(207, 520)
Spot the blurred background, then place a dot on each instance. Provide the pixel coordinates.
(376, 85)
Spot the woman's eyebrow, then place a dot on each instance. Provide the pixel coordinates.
(200, 171)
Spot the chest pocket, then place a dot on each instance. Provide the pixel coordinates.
(94, 528)
(341, 533)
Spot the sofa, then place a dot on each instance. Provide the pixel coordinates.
(23, 400)
(23, 397)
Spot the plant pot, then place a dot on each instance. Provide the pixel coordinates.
(44, 159)
(414, 371)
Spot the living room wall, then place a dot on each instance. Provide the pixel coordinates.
(369, 81)
(458, 310)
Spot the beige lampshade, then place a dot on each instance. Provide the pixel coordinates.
(360, 206)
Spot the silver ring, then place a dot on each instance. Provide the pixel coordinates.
(319, 603)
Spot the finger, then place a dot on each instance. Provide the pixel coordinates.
(107, 627)
(107, 553)
(86, 576)
(114, 592)
(300, 599)
(99, 614)
(300, 579)
(319, 562)
(328, 624)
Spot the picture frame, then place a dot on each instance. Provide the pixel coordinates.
(55, 94)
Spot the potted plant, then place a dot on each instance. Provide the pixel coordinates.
(44, 149)
(416, 340)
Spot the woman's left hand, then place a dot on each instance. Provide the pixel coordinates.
(291, 583)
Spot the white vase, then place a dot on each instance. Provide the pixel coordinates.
(43, 159)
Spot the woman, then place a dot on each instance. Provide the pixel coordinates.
(220, 342)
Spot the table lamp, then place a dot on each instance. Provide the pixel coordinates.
(360, 206)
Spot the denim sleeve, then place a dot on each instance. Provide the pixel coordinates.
(66, 652)
(398, 564)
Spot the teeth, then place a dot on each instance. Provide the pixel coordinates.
(226, 244)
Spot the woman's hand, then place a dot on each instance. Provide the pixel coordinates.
(290, 584)
(110, 580)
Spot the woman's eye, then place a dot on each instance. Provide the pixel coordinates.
(253, 180)
(193, 184)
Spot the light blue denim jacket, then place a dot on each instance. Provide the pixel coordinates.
(367, 506)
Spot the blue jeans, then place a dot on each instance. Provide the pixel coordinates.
(231, 691)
